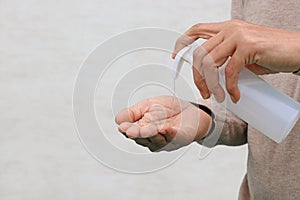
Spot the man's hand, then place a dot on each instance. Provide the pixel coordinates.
(262, 49)
(163, 123)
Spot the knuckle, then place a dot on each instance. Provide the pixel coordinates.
(245, 38)
(197, 52)
(207, 61)
(235, 28)
(240, 34)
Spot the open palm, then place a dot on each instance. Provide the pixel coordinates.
(163, 123)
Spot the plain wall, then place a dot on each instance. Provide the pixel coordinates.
(42, 44)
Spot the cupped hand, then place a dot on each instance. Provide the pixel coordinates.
(163, 123)
(262, 49)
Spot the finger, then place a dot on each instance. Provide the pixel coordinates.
(232, 70)
(201, 30)
(222, 52)
(202, 51)
(124, 126)
(137, 131)
(181, 42)
(198, 55)
(133, 131)
(215, 58)
(205, 30)
(148, 130)
(205, 49)
(133, 113)
(200, 84)
(211, 74)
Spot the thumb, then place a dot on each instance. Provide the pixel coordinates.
(133, 113)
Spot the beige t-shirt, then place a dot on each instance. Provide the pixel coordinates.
(273, 170)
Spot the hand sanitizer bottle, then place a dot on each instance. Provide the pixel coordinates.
(261, 105)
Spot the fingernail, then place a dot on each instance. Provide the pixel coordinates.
(173, 55)
(206, 95)
(233, 99)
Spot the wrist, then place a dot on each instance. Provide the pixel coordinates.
(206, 124)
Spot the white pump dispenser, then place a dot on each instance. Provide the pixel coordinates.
(261, 105)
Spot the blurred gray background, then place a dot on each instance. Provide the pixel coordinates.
(42, 44)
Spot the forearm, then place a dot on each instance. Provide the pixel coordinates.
(234, 130)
